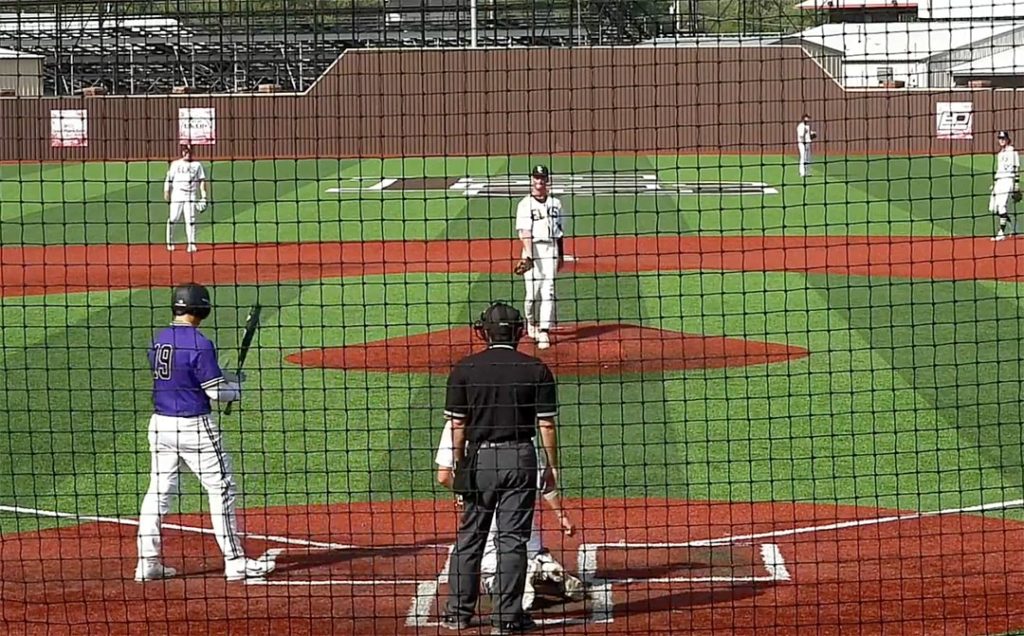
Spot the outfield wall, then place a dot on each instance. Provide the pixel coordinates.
(528, 101)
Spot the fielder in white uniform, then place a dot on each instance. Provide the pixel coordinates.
(185, 190)
(539, 225)
(186, 376)
(804, 136)
(1005, 184)
(541, 566)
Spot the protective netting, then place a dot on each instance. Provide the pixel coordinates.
(783, 316)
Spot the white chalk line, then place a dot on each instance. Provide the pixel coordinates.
(423, 602)
(339, 582)
(857, 523)
(273, 538)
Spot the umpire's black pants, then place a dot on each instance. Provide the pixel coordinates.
(506, 478)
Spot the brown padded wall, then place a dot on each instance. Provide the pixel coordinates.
(375, 103)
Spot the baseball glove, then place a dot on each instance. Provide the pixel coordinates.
(524, 265)
(1017, 196)
(814, 136)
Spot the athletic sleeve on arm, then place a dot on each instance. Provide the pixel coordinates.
(547, 394)
(524, 221)
(206, 369)
(456, 404)
(445, 457)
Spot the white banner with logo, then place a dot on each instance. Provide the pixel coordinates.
(69, 128)
(954, 120)
(197, 126)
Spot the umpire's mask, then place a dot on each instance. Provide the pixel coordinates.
(501, 324)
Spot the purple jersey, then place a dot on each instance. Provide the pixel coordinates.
(184, 364)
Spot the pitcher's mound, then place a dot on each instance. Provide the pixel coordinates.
(580, 350)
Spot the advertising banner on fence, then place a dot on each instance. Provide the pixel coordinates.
(197, 126)
(69, 128)
(954, 120)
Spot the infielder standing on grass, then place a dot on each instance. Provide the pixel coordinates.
(541, 567)
(539, 225)
(1005, 185)
(185, 179)
(186, 376)
(804, 137)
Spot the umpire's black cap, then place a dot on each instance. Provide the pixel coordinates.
(1002, 134)
(191, 298)
(501, 323)
(540, 170)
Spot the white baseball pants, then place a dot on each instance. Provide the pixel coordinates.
(539, 307)
(179, 209)
(805, 157)
(999, 201)
(196, 441)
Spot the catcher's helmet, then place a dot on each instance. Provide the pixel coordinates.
(542, 172)
(500, 323)
(191, 298)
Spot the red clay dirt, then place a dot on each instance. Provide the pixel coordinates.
(850, 570)
(61, 269)
(582, 349)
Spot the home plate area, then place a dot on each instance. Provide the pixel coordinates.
(628, 573)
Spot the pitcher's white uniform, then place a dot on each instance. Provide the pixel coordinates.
(803, 144)
(185, 188)
(543, 220)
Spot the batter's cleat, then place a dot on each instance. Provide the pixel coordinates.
(152, 570)
(543, 340)
(999, 237)
(248, 569)
(192, 248)
(170, 247)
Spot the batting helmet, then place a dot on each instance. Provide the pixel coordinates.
(191, 298)
(501, 323)
(541, 171)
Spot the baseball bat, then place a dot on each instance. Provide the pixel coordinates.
(252, 321)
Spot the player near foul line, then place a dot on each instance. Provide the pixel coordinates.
(1005, 186)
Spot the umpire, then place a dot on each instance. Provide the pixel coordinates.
(497, 399)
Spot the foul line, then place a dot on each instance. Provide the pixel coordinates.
(198, 530)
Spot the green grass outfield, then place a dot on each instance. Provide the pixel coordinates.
(909, 399)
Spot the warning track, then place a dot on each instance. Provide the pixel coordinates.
(695, 567)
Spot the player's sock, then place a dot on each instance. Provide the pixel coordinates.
(170, 234)
(190, 232)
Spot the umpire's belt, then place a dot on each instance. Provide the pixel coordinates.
(509, 444)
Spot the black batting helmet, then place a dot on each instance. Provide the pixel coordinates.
(191, 298)
(541, 171)
(501, 323)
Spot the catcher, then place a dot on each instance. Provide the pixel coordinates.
(539, 225)
(185, 178)
(543, 572)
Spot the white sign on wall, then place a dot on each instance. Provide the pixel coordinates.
(69, 128)
(197, 126)
(954, 120)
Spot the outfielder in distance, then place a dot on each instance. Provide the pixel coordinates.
(541, 567)
(805, 136)
(186, 376)
(1005, 186)
(185, 179)
(539, 225)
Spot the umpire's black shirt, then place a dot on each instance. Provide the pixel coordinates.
(500, 393)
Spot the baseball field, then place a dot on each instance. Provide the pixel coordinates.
(787, 406)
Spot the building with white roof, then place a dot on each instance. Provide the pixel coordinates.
(914, 54)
